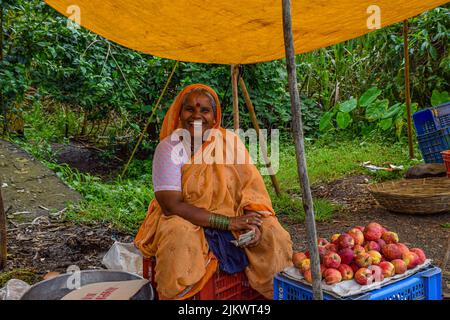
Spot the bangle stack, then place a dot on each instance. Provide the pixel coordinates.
(218, 221)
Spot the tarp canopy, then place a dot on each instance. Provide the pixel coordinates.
(233, 32)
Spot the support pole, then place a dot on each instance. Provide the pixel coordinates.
(150, 119)
(3, 250)
(407, 88)
(2, 102)
(234, 85)
(251, 110)
(300, 151)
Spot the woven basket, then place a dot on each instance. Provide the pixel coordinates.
(415, 196)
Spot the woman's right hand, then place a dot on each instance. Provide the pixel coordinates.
(245, 222)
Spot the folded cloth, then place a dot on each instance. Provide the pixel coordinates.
(232, 259)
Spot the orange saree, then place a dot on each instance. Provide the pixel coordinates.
(184, 262)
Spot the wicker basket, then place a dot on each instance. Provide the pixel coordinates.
(415, 196)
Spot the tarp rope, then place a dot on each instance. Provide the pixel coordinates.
(163, 92)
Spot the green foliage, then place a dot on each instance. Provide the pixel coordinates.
(368, 114)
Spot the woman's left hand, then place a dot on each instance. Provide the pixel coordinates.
(256, 239)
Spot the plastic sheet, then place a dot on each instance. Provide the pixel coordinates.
(123, 257)
(14, 290)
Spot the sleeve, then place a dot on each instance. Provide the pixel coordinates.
(165, 172)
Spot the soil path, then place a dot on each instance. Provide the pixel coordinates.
(30, 189)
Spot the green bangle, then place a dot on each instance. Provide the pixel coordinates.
(218, 221)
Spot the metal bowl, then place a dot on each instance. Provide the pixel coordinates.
(56, 288)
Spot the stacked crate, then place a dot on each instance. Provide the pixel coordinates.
(433, 132)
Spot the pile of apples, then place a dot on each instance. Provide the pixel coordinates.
(366, 254)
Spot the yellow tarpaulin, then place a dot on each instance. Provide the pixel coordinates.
(233, 31)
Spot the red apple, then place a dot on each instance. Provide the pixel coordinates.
(331, 247)
(411, 259)
(372, 245)
(377, 273)
(322, 241)
(346, 255)
(389, 237)
(399, 265)
(354, 267)
(322, 252)
(375, 255)
(346, 272)
(420, 254)
(358, 249)
(308, 276)
(305, 265)
(360, 228)
(334, 238)
(357, 235)
(373, 231)
(345, 241)
(297, 258)
(363, 260)
(332, 276)
(391, 252)
(332, 260)
(307, 254)
(388, 269)
(364, 276)
(381, 243)
(402, 247)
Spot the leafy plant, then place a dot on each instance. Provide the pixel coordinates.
(368, 113)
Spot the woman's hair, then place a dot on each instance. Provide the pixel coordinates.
(204, 92)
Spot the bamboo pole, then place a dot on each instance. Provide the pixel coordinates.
(3, 250)
(150, 119)
(300, 151)
(234, 85)
(251, 109)
(407, 88)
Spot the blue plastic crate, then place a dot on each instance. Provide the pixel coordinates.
(430, 120)
(432, 144)
(423, 285)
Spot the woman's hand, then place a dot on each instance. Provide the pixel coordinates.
(245, 222)
(256, 239)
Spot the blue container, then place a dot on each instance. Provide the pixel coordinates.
(423, 285)
(432, 144)
(430, 120)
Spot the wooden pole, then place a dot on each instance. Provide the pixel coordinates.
(2, 102)
(234, 85)
(300, 151)
(3, 250)
(407, 88)
(251, 109)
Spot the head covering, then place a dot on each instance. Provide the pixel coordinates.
(172, 118)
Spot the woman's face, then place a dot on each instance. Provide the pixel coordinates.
(197, 110)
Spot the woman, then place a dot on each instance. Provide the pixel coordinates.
(194, 196)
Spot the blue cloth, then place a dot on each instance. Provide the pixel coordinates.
(232, 259)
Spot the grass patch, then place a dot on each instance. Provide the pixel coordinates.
(330, 162)
(25, 275)
(446, 225)
(122, 202)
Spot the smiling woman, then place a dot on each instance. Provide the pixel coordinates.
(199, 208)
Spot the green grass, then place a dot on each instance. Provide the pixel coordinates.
(330, 162)
(122, 203)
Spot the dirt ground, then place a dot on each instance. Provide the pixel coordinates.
(43, 242)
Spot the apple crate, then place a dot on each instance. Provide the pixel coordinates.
(423, 285)
(221, 286)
